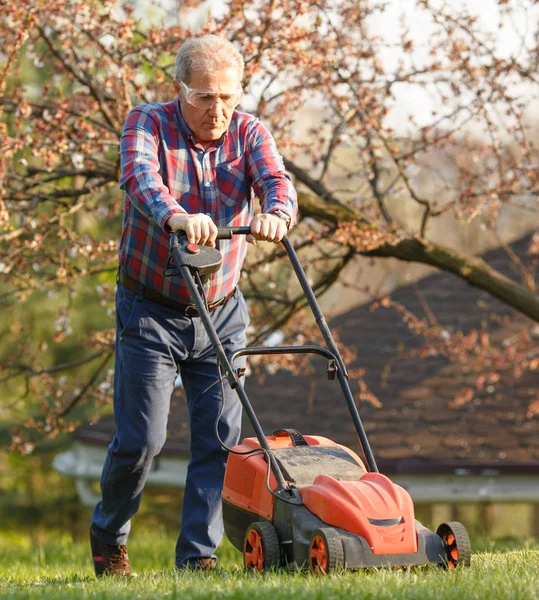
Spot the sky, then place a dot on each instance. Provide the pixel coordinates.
(507, 43)
(413, 100)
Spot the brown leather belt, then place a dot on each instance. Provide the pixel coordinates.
(190, 310)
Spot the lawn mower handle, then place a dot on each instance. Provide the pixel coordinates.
(226, 233)
(223, 233)
(342, 374)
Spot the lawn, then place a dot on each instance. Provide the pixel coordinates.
(60, 568)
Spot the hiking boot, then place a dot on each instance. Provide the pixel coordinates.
(205, 564)
(109, 559)
(200, 564)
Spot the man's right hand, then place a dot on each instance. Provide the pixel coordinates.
(199, 228)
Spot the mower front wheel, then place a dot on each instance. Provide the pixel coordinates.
(456, 543)
(326, 552)
(261, 548)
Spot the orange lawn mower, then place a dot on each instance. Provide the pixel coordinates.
(304, 501)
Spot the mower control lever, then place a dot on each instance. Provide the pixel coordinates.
(203, 259)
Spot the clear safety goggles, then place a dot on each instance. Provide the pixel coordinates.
(207, 98)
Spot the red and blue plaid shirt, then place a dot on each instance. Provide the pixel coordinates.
(164, 171)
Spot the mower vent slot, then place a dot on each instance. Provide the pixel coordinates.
(302, 464)
(386, 522)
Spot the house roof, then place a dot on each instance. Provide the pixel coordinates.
(418, 428)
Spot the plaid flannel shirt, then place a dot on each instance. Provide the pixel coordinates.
(164, 171)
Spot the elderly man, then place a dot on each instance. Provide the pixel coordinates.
(187, 165)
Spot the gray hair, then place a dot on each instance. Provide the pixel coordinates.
(207, 53)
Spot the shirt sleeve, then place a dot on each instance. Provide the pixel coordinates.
(271, 182)
(140, 177)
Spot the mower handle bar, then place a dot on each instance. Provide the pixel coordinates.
(254, 350)
(223, 233)
(226, 233)
(342, 375)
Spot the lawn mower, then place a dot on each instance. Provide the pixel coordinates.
(304, 501)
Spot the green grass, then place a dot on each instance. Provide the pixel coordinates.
(60, 568)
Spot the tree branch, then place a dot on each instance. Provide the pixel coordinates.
(472, 269)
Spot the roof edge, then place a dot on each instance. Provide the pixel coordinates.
(100, 439)
(459, 467)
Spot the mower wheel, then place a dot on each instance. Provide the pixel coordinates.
(326, 552)
(261, 548)
(457, 544)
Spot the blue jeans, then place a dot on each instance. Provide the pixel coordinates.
(153, 344)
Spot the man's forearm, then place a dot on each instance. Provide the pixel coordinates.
(152, 200)
(271, 182)
(140, 176)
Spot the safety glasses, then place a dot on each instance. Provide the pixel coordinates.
(207, 98)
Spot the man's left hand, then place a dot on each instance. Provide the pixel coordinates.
(268, 228)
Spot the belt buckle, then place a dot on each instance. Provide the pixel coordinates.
(216, 304)
(191, 311)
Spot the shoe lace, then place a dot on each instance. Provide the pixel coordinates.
(206, 563)
(118, 556)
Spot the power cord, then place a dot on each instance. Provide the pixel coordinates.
(247, 452)
(201, 289)
(219, 415)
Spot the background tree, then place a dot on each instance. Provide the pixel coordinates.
(332, 78)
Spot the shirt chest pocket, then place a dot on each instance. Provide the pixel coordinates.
(178, 175)
(232, 181)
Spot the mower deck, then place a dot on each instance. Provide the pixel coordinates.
(295, 527)
(341, 516)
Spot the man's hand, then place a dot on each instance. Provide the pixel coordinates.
(199, 228)
(268, 228)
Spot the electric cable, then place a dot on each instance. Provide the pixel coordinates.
(201, 289)
(247, 452)
(202, 293)
(220, 413)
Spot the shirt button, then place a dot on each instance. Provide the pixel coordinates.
(207, 184)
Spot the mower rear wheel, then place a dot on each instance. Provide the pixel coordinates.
(457, 544)
(261, 548)
(326, 552)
